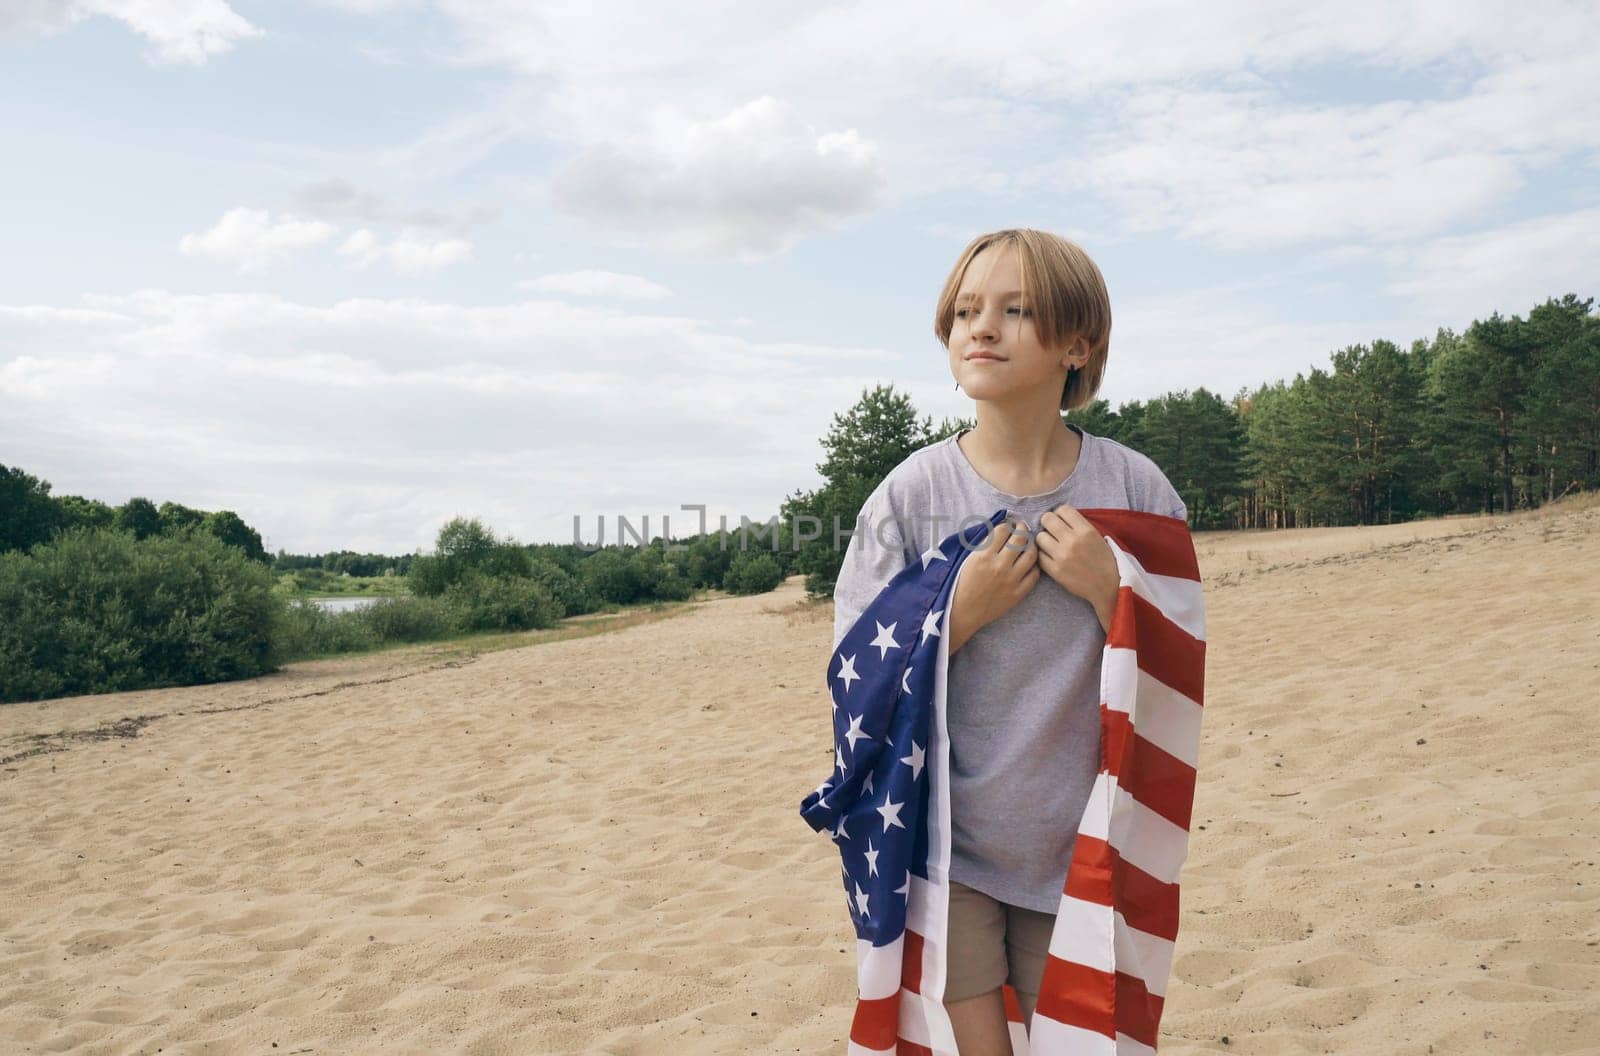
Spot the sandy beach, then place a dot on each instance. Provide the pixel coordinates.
(592, 845)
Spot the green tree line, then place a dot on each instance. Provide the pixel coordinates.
(29, 514)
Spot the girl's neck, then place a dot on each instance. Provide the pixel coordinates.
(1022, 457)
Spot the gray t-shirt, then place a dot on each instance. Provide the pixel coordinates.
(1023, 701)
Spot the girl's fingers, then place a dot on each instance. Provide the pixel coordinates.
(998, 536)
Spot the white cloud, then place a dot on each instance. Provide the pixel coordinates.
(368, 422)
(179, 31)
(1508, 269)
(1191, 118)
(411, 253)
(341, 201)
(597, 284)
(748, 184)
(250, 240)
(1242, 168)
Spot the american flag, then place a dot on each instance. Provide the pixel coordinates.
(886, 804)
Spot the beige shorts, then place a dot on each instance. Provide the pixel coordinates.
(992, 943)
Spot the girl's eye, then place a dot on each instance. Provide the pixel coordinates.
(961, 313)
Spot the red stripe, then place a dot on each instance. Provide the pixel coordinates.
(1146, 903)
(877, 1022)
(1104, 1002)
(1138, 1010)
(1091, 873)
(1162, 782)
(911, 962)
(1166, 652)
(1078, 995)
(911, 1048)
(1161, 543)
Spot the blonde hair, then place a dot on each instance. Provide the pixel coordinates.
(1063, 288)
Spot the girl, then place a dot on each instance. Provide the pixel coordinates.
(1026, 320)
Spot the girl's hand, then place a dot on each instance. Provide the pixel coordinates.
(993, 579)
(1074, 554)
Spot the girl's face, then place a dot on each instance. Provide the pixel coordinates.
(995, 352)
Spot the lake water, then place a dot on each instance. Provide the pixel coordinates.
(347, 604)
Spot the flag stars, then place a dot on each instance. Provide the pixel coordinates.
(854, 733)
(905, 888)
(891, 814)
(861, 900)
(915, 760)
(905, 682)
(839, 832)
(885, 640)
(932, 554)
(872, 859)
(847, 671)
(930, 625)
(838, 760)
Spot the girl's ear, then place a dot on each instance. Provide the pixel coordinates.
(1077, 345)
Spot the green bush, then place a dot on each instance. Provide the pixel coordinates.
(752, 573)
(465, 547)
(611, 577)
(659, 578)
(410, 619)
(306, 630)
(516, 604)
(566, 588)
(95, 610)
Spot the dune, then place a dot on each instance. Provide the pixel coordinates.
(592, 845)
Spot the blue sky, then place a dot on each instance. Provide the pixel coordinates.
(352, 267)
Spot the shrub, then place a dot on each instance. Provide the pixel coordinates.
(752, 573)
(611, 577)
(566, 588)
(463, 548)
(409, 619)
(96, 610)
(305, 630)
(515, 604)
(659, 579)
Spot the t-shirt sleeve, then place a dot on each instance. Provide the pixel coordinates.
(875, 555)
(1154, 492)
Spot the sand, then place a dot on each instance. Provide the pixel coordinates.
(593, 845)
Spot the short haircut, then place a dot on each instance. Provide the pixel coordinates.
(1065, 292)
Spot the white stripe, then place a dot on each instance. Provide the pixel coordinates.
(1146, 839)
(1160, 714)
(1083, 934)
(1180, 600)
(1051, 1038)
(878, 968)
(1019, 1038)
(1143, 837)
(1086, 933)
(924, 1021)
(920, 913)
(930, 899)
(1144, 956)
(1097, 809)
(1127, 1046)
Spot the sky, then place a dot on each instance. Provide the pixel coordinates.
(351, 268)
